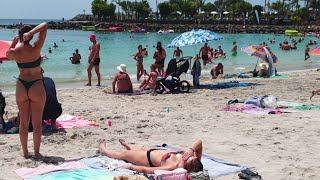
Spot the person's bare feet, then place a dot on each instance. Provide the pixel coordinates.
(125, 144)
(38, 156)
(88, 84)
(98, 84)
(102, 146)
(26, 155)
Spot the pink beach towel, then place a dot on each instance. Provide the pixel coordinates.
(67, 121)
(43, 169)
(253, 110)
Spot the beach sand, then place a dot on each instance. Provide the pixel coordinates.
(284, 146)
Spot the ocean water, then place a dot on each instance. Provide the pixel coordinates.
(117, 48)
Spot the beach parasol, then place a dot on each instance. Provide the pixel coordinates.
(260, 52)
(194, 37)
(214, 12)
(315, 51)
(264, 54)
(5, 45)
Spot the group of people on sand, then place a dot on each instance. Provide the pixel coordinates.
(32, 96)
(122, 83)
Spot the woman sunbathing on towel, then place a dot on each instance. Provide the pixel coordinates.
(147, 160)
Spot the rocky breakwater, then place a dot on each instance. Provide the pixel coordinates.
(155, 27)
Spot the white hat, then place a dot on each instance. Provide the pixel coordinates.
(122, 68)
(264, 66)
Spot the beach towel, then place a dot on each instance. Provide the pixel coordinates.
(254, 110)
(215, 167)
(77, 174)
(278, 76)
(44, 169)
(112, 166)
(68, 121)
(134, 93)
(298, 106)
(226, 85)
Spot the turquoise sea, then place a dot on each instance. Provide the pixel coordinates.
(117, 48)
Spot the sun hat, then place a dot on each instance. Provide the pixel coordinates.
(263, 66)
(122, 68)
(92, 36)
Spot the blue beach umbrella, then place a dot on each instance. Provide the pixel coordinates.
(194, 37)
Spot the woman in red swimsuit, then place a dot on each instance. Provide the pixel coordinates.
(147, 160)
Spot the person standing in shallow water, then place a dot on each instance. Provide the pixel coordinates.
(94, 59)
(30, 90)
(138, 56)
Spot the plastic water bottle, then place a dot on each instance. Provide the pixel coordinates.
(168, 109)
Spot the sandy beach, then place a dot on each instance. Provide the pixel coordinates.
(283, 146)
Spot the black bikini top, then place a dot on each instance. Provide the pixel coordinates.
(33, 64)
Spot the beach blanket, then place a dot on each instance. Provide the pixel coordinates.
(278, 76)
(298, 106)
(68, 121)
(77, 174)
(254, 110)
(112, 166)
(134, 93)
(216, 167)
(226, 85)
(44, 169)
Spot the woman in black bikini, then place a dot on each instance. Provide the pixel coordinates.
(138, 56)
(147, 160)
(30, 91)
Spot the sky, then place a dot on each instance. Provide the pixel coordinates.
(58, 9)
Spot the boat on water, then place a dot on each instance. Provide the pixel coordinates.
(292, 33)
(111, 29)
(163, 31)
(137, 30)
(88, 28)
(312, 34)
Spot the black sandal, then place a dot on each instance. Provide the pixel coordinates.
(247, 174)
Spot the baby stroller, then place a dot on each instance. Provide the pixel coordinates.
(174, 70)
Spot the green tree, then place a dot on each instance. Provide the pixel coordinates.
(102, 10)
(209, 7)
(125, 8)
(165, 9)
(142, 9)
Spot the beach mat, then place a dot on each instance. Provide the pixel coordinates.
(256, 110)
(227, 85)
(216, 167)
(298, 106)
(77, 174)
(278, 76)
(134, 93)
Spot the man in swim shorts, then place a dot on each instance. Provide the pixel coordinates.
(204, 53)
(94, 59)
(177, 53)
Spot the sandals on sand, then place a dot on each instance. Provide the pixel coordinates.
(247, 174)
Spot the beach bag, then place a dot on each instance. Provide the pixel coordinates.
(253, 102)
(2, 104)
(177, 174)
(269, 102)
